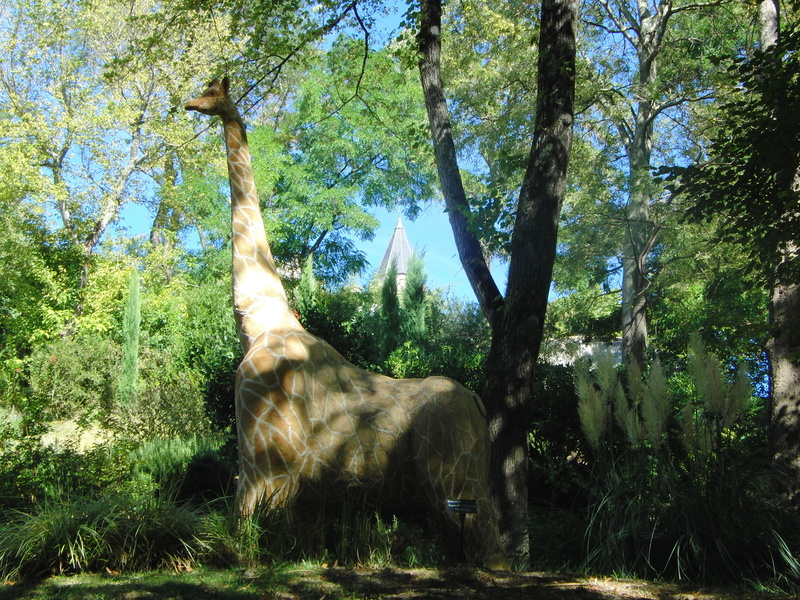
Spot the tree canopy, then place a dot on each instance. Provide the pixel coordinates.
(746, 186)
(334, 95)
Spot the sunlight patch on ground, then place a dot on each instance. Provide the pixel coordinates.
(70, 434)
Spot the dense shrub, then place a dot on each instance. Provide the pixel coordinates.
(31, 472)
(169, 401)
(109, 506)
(75, 377)
(212, 348)
(192, 469)
(558, 475)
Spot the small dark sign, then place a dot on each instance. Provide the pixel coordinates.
(462, 507)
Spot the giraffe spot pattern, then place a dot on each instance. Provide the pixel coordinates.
(338, 428)
(310, 422)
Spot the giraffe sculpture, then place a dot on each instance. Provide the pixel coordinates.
(312, 425)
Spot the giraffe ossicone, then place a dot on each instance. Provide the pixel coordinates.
(312, 425)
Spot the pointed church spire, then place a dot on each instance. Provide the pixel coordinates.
(398, 252)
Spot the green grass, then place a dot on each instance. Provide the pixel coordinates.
(129, 532)
(197, 584)
(84, 533)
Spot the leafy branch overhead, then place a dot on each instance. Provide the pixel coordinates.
(747, 184)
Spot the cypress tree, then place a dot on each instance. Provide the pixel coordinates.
(131, 322)
(390, 312)
(414, 300)
(307, 288)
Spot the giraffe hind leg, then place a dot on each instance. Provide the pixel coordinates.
(452, 457)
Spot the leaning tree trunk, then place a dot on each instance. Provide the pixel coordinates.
(469, 248)
(517, 320)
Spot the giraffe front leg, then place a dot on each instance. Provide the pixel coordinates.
(255, 492)
(265, 479)
(267, 460)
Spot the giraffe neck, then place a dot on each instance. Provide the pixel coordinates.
(259, 300)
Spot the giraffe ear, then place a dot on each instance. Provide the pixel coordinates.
(226, 83)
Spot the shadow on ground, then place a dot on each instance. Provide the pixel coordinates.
(347, 584)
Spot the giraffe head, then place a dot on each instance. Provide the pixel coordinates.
(214, 101)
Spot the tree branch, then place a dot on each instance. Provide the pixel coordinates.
(624, 28)
(469, 247)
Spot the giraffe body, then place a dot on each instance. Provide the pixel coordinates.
(310, 424)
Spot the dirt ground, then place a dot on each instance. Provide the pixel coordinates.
(473, 584)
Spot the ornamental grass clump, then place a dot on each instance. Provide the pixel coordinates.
(656, 406)
(720, 401)
(116, 532)
(680, 485)
(592, 406)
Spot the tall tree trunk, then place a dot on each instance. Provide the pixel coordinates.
(517, 336)
(769, 23)
(784, 317)
(635, 247)
(638, 238)
(517, 321)
(784, 361)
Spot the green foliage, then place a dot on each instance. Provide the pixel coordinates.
(490, 66)
(95, 133)
(170, 401)
(745, 187)
(32, 472)
(348, 320)
(36, 298)
(455, 343)
(408, 361)
(70, 510)
(151, 519)
(457, 340)
(116, 531)
(725, 306)
(303, 216)
(212, 347)
(76, 378)
(557, 476)
(188, 469)
(345, 139)
(73, 378)
(414, 305)
(307, 289)
(341, 130)
(587, 310)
